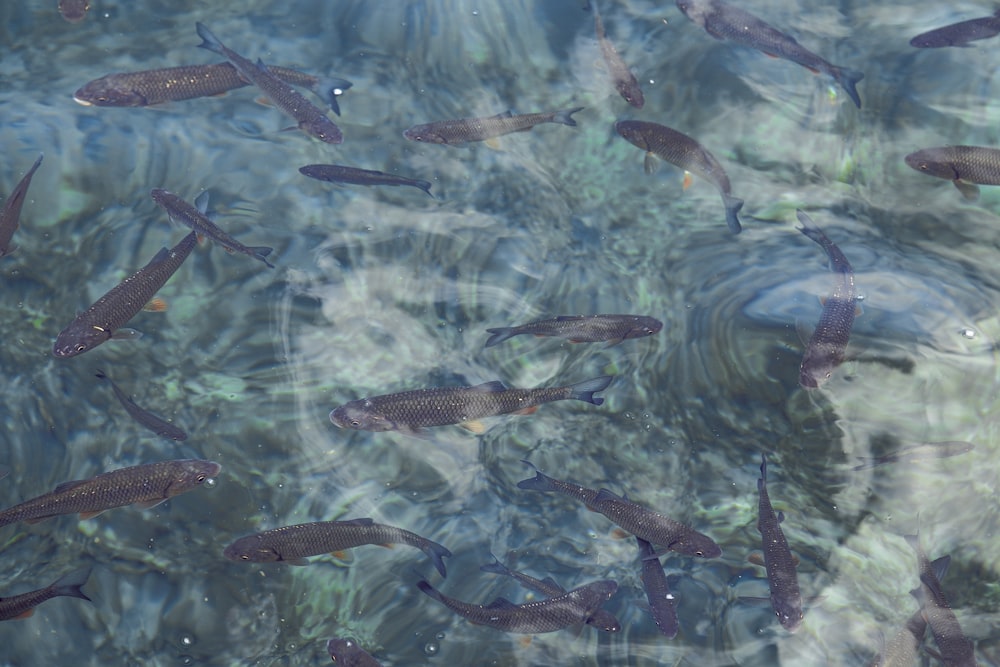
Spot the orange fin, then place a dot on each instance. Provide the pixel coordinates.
(90, 515)
(25, 614)
(155, 305)
(525, 641)
(526, 411)
(494, 143)
(620, 534)
(688, 180)
(756, 559)
(475, 426)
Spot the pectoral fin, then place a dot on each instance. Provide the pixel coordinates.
(969, 190)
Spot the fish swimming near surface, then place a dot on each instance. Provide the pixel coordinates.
(335, 173)
(682, 151)
(23, 605)
(827, 346)
(74, 11)
(582, 328)
(185, 213)
(410, 411)
(173, 84)
(10, 215)
(955, 648)
(157, 425)
(462, 130)
(964, 166)
(310, 119)
(103, 320)
(292, 544)
(921, 452)
(347, 653)
(601, 619)
(538, 616)
(662, 603)
(782, 579)
(959, 34)
(629, 516)
(146, 485)
(726, 22)
(622, 78)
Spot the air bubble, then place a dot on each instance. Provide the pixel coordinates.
(187, 639)
(431, 648)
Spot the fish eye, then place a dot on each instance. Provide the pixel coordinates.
(80, 347)
(200, 478)
(355, 423)
(244, 557)
(699, 553)
(924, 166)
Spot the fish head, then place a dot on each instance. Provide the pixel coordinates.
(191, 474)
(360, 416)
(424, 134)
(696, 544)
(632, 131)
(249, 549)
(604, 620)
(788, 610)
(930, 161)
(644, 326)
(696, 10)
(343, 651)
(817, 367)
(104, 93)
(78, 338)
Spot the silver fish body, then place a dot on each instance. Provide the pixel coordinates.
(682, 151)
(112, 311)
(185, 213)
(662, 603)
(964, 166)
(582, 328)
(959, 34)
(10, 215)
(410, 411)
(622, 78)
(782, 579)
(347, 653)
(335, 173)
(292, 544)
(145, 485)
(156, 424)
(23, 605)
(310, 119)
(727, 22)
(538, 616)
(462, 130)
(827, 346)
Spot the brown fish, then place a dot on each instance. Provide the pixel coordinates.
(336, 173)
(782, 579)
(682, 151)
(145, 486)
(623, 79)
(292, 544)
(967, 167)
(10, 216)
(311, 120)
(461, 130)
(23, 605)
(173, 84)
(112, 311)
(582, 328)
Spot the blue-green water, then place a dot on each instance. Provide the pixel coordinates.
(382, 290)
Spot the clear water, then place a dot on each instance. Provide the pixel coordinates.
(381, 290)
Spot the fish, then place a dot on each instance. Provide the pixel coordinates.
(622, 78)
(827, 345)
(964, 166)
(23, 605)
(291, 544)
(904, 648)
(662, 604)
(959, 34)
(347, 653)
(185, 213)
(682, 151)
(146, 418)
(782, 579)
(726, 22)
(956, 650)
(111, 312)
(335, 173)
(146, 485)
(173, 84)
(10, 215)
(311, 120)
(410, 411)
(461, 130)
(74, 11)
(600, 619)
(534, 617)
(909, 453)
(582, 328)
(631, 517)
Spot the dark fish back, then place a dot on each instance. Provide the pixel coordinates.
(676, 148)
(622, 78)
(113, 310)
(335, 173)
(959, 34)
(347, 653)
(15, 606)
(582, 328)
(654, 527)
(156, 424)
(782, 579)
(662, 604)
(10, 215)
(462, 130)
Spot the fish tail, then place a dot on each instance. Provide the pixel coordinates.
(208, 40)
(429, 590)
(496, 567)
(426, 187)
(70, 584)
(500, 334)
(733, 206)
(540, 482)
(329, 88)
(261, 252)
(437, 553)
(847, 78)
(584, 391)
(565, 116)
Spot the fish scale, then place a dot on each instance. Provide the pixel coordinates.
(461, 130)
(582, 328)
(10, 216)
(149, 484)
(20, 606)
(782, 579)
(112, 311)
